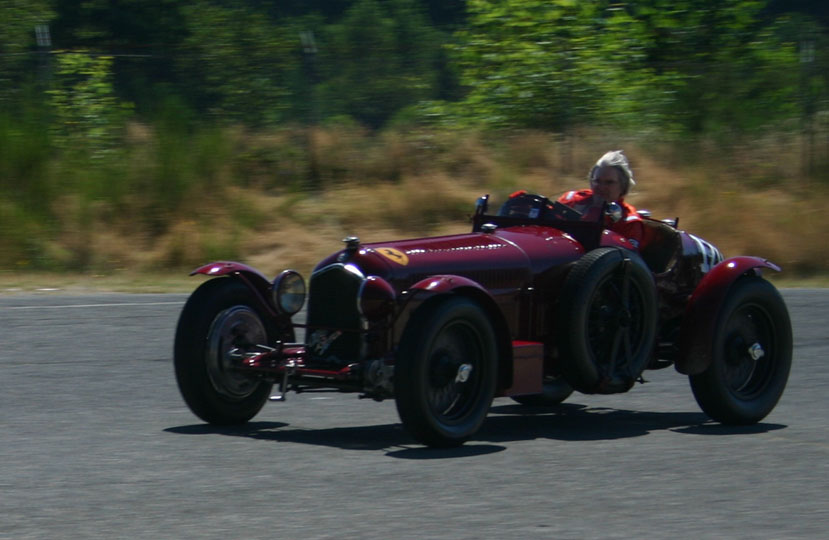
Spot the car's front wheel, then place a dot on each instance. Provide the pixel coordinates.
(445, 372)
(220, 322)
(751, 355)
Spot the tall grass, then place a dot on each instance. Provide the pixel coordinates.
(169, 198)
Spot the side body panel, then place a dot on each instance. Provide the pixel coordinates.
(511, 272)
(508, 263)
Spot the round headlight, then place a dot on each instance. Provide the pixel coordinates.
(288, 292)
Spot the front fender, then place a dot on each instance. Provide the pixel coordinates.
(445, 283)
(254, 279)
(223, 268)
(427, 288)
(701, 317)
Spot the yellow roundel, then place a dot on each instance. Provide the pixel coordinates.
(394, 255)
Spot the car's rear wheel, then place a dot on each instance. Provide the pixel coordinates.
(752, 355)
(606, 321)
(219, 322)
(445, 372)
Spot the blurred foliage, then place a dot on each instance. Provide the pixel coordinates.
(378, 59)
(701, 66)
(88, 116)
(21, 60)
(689, 68)
(546, 64)
(241, 63)
(146, 119)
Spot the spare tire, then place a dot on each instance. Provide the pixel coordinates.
(606, 321)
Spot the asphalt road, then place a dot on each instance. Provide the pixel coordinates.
(95, 442)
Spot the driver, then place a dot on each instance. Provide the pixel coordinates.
(610, 180)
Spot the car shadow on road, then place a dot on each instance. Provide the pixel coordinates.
(506, 423)
(378, 437)
(575, 422)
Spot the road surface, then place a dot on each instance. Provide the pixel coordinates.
(95, 442)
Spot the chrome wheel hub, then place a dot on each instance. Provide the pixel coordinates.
(234, 332)
(756, 352)
(464, 371)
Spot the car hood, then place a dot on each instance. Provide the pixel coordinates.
(505, 258)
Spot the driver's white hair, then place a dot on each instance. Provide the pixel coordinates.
(617, 159)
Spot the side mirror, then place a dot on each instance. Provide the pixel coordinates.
(481, 205)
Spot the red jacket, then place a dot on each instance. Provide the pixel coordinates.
(630, 226)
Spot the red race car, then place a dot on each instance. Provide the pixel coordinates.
(534, 303)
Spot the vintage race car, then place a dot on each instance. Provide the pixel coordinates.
(533, 303)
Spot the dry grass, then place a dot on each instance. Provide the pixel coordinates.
(397, 185)
(712, 201)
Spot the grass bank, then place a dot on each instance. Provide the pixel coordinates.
(165, 202)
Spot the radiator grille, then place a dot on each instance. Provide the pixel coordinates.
(333, 320)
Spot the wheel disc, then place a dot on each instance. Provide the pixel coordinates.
(454, 374)
(749, 351)
(445, 372)
(234, 331)
(615, 326)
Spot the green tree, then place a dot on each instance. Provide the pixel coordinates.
(703, 66)
(18, 47)
(141, 36)
(726, 67)
(379, 58)
(239, 63)
(88, 115)
(549, 64)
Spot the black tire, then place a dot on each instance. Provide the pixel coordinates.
(606, 321)
(751, 356)
(219, 316)
(445, 372)
(555, 391)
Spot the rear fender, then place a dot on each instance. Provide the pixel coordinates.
(613, 239)
(255, 280)
(434, 287)
(701, 317)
